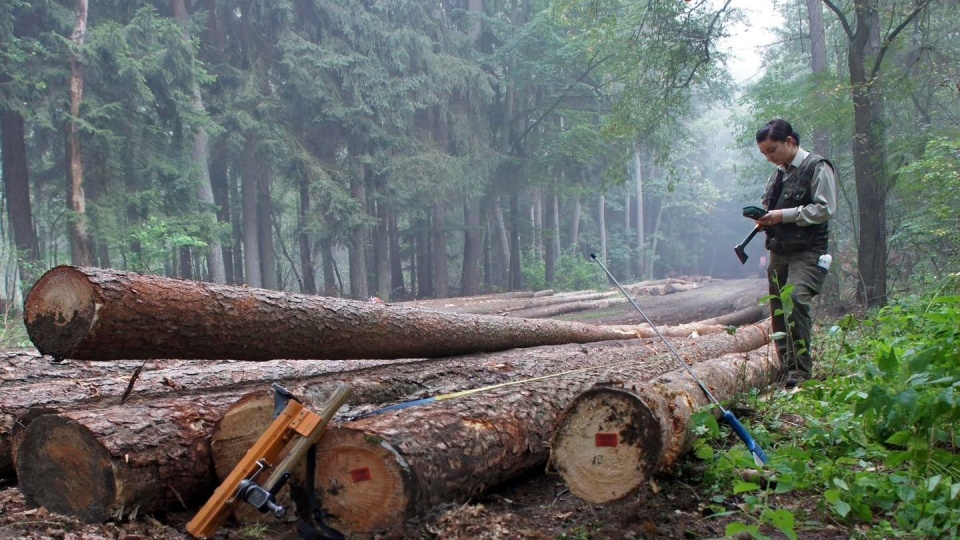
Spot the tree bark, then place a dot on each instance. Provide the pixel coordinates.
(249, 220)
(16, 188)
(309, 284)
(268, 256)
(869, 148)
(81, 251)
(201, 161)
(374, 472)
(551, 231)
(638, 187)
(358, 238)
(441, 275)
(472, 246)
(90, 313)
(610, 441)
(602, 226)
(244, 421)
(99, 463)
(818, 66)
(72, 385)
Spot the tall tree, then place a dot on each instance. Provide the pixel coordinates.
(866, 68)
(81, 251)
(16, 187)
(201, 163)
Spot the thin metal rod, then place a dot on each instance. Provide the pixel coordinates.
(659, 335)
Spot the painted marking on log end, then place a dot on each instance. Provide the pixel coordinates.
(361, 475)
(606, 440)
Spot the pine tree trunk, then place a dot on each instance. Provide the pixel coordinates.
(90, 313)
(441, 279)
(612, 440)
(375, 472)
(80, 245)
(249, 214)
(602, 225)
(472, 249)
(16, 189)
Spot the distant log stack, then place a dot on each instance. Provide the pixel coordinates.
(374, 472)
(92, 313)
(610, 441)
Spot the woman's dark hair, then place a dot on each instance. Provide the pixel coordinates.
(777, 130)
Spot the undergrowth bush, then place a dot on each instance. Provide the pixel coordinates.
(573, 273)
(876, 441)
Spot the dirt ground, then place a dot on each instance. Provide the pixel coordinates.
(536, 506)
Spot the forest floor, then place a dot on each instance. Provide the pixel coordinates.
(535, 506)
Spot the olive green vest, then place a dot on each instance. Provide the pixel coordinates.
(795, 191)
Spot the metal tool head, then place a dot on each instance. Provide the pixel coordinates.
(741, 253)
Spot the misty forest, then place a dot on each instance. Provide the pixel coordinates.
(377, 153)
(415, 150)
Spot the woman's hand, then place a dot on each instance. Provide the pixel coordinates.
(773, 217)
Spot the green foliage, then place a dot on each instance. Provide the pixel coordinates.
(927, 237)
(157, 238)
(878, 439)
(573, 273)
(13, 333)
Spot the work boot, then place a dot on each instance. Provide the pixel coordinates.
(794, 378)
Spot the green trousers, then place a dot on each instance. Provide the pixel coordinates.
(800, 270)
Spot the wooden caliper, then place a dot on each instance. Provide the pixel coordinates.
(275, 454)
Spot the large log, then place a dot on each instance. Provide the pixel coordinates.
(93, 313)
(27, 366)
(612, 440)
(375, 472)
(103, 449)
(102, 464)
(89, 441)
(158, 377)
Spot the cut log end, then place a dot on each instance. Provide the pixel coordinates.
(62, 467)
(608, 445)
(236, 432)
(362, 482)
(60, 311)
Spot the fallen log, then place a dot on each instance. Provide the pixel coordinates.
(566, 307)
(93, 313)
(611, 441)
(158, 377)
(101, 450)
(102, 464)
(711, 299)
(375, 472)
(27, 366)
(503, 306)
(132, 443)
(747, 315)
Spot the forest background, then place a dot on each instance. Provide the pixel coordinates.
(407, 149)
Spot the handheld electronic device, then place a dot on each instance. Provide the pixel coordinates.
(753, 212)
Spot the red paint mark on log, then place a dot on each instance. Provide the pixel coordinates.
(360, 475)
(606, 439)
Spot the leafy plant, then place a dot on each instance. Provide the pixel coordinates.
(877, 440)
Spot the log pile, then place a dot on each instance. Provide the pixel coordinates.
(78, 450)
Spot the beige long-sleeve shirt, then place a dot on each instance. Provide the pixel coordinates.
(823, 188)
